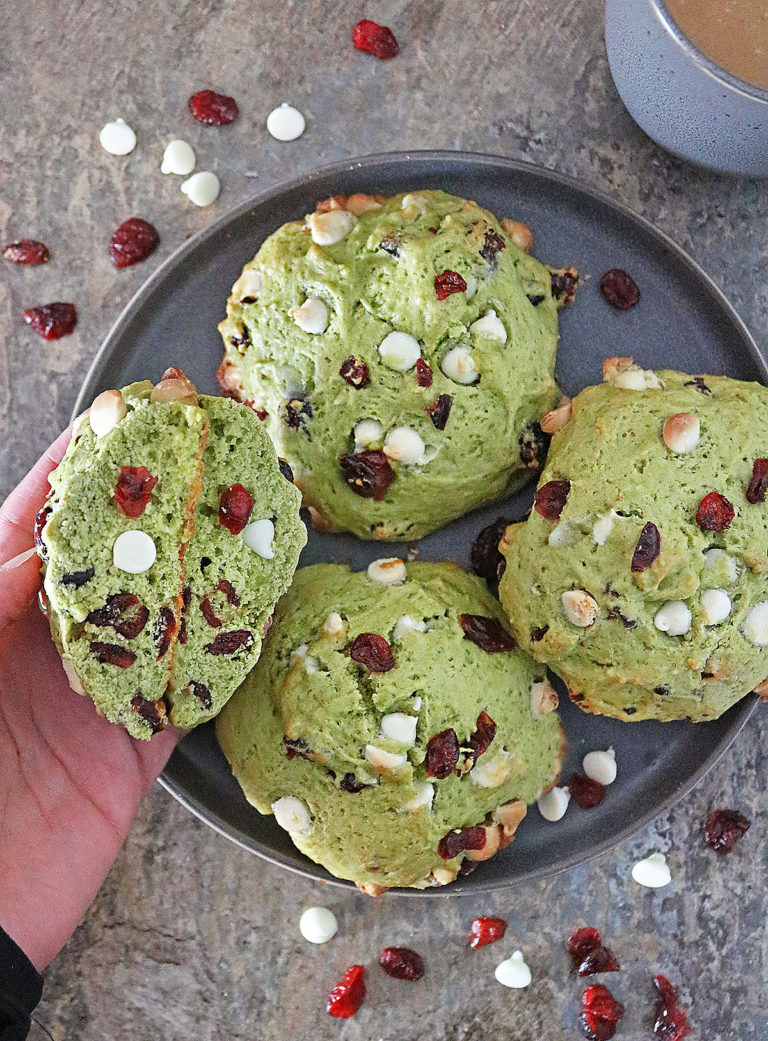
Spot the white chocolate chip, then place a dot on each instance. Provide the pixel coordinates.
(682, 432)
(425, 793)
(293, 815)
(558, 418)
(312, 316)
(258, 536)
(579, 607)
(248, 285)
(331, 227)
(471, 286)
(286, 123)
(134, 552)
(600, 766)
(563, 534)
(622, 372)
(405, 446)
(318, 925)
(366, 433)
(383, 760)
(490, 326)
(117, 138)
(491, 772)
(399, 351)
(717, 559)
(72, 678)
(603, 527)
(361, 203)
(178, 158)
(309, 662)
(715, 606)
(408, 624)
(334, 624)
(107, 410)
(553, 804)
(389, 571)
(202, 188)
(513, 972)
(414, 202)
(652, 872)
(459, 366)
(291, 379)
(755, 626)
(674, 618)
(543, 699)
(521, 234)
(400, 727)
(418, 699)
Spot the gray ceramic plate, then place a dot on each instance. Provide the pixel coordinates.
(682, 321)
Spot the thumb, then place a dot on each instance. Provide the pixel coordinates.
(19, 566)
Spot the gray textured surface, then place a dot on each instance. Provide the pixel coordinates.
(190, 937)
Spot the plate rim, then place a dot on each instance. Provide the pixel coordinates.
(743, 709)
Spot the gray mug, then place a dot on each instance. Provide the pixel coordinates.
(679, 96)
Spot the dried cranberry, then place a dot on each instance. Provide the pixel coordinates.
(285, 470)
(493, 244)
(228, 590)
(715, 513)
(671, 1021)
(368, 473)
(589, 955)
(486, 930)
(585, 792)
(112, 654)
(647, 548)
(439, 411)
(538, 633)
(165, 626)
(488, 633)
(447, 283)
(27, 251)
(349, 783)
(699, 384)
(133, 490)
(347, 997)
(456, 842)
(550, 499)
(372, 651)
(480, 740)
(124, 612)
(355, 372)
(52, 321)
(486, 560)
(402, 963)
(152, 712)
(212, 109)
(229, 643)
(208, 613)
(202, 693)
(40, 521)
(564, 284)
(442, 754)
(600, 1013)
(375, 39)
(617, 615)
(758, 485)
(132, 242)
(724, 829)
(243, 340)
(235, 505)
(77, 578)
(296, 412)
(619, 289)
(533, 446)
(423, 373)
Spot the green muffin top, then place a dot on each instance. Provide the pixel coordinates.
(391, 725)
(169, 535)
(641, 575)
(401, 353)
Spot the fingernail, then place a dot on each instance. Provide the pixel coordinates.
(18, 560)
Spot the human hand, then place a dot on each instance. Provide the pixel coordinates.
(70, 782)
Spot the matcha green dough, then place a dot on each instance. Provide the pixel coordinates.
(401, 358)
(648, 593)
(362, 688)
(158, 608)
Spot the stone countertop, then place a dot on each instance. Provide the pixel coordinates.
(191, 937)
